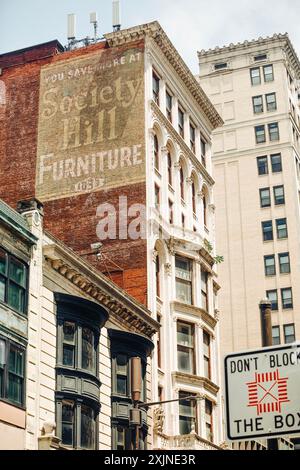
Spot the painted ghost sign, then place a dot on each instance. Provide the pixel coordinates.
(91, 132)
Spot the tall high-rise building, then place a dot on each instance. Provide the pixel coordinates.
(255, 87)
(115, 140)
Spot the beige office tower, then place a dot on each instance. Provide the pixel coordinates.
(256, 89)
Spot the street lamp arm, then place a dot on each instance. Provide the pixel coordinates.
(192, 397)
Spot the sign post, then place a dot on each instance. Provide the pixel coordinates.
(263, 393)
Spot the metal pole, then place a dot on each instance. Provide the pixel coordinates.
(266, 322)
(267, 340)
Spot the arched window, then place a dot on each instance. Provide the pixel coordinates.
(205, 209)
(156, 152)
(157, 275)
(169, 159)
(181, 182)
(194, 196)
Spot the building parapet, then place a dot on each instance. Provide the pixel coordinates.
(283, 38)
(154, 30)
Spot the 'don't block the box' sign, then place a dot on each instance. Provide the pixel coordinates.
(263, 393)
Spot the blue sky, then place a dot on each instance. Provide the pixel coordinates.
(191, 24)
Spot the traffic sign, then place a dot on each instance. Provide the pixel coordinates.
(262, 391)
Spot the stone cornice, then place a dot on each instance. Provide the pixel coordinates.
(123, 308)
(154, 30)
(191, 379)
(283, 38)
(193, 310)
(183, 146)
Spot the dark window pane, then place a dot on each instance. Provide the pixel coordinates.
(265, 198)
(262, 165)
(2, 288)
(281, 225)
(16, 297)
(289, 333)
(88, 426)
(279, 195)
(17, 272)
(260, 134)
(187, 414)
(270, 269)
(258, 106)
(169, 106)
(88, 349)
(69, 332)
(15, 389)
(276, 335)
(284, 263)
(271, 102)
(255, 76)
(268, 73)
(3, 262)
(16, 375)
(273, 131)
(68, 420)
(121, 384)
(68, 355)
(267, 229)
(121, 374)
(287, 298)
(273, 297)
(155, 84)
(120, 438)
(276, 163)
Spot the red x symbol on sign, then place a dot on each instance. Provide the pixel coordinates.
(275, 399)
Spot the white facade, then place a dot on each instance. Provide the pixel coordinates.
(56, 269)
(182, 235)
(239, 215)
(255, 87)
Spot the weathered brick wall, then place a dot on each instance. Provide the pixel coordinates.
(72, 219)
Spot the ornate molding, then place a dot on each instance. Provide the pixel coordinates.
(168, 269)
(158, 37)
(184, 148)
(123, 309)
(193, 310)
(154, 255)
(203, 382)
(212, 208)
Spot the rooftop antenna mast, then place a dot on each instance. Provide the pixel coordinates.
(71, 29)
(72, 41)
(116, 15)
(94, 21)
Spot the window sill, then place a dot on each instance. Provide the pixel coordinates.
(14, 405)
(21, 314)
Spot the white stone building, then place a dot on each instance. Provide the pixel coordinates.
(182, 278)
(255, 87)
(67, 336)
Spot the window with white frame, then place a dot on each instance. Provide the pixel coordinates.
(186, 347)
(184, 272)
(187, 414)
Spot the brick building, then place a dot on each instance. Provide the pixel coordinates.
(115, 140)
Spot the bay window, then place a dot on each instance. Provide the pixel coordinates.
(186, 348)
(183, 268)
(79, 323)
(187, 414)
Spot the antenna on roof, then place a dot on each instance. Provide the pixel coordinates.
(71, 26)
(94, 21)
(116, 15)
